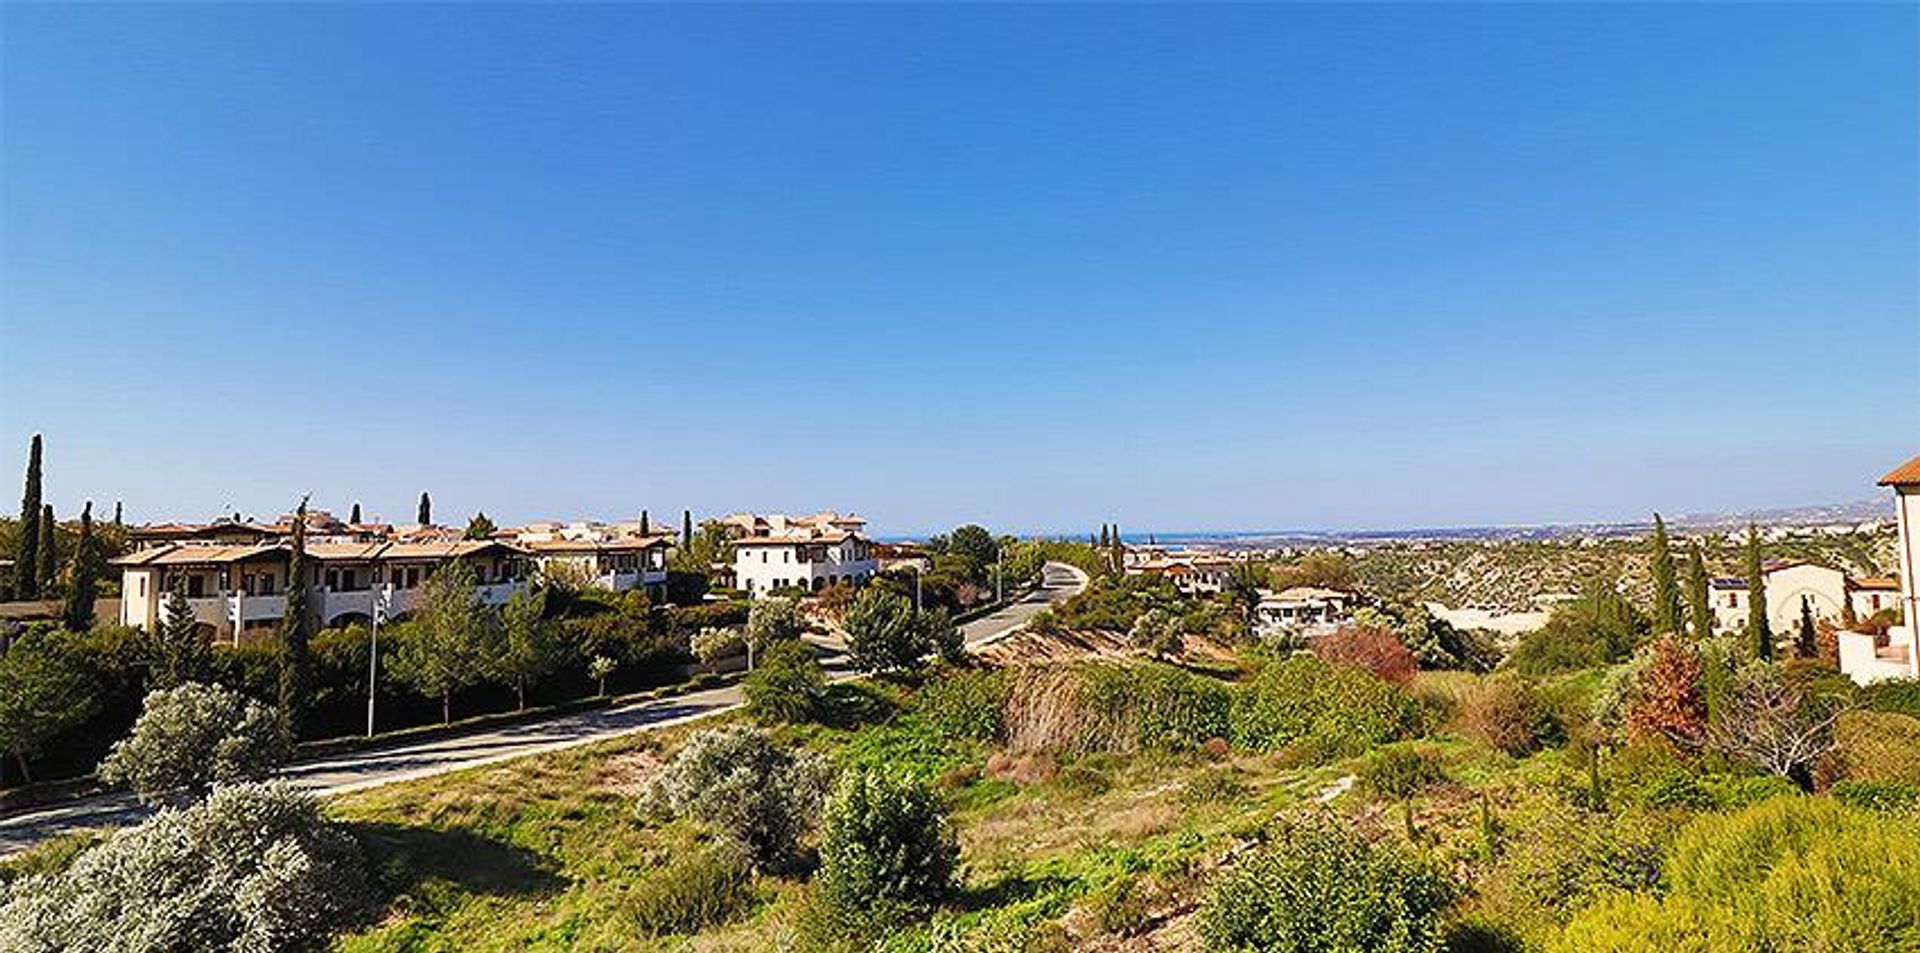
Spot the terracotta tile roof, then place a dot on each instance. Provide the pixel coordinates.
(625, 544)
(1877, 582)
(1906, 474)
(180, 555)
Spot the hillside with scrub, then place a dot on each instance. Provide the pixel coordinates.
(1156, 779)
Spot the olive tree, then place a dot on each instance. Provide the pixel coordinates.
(253, 868)
(751, 790)
(191, 737)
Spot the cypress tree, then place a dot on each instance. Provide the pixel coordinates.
(49, 560)
(1759, 630)
(686, 529)
(26, 565)
(425, 515)
(1666, 588)
(79, 614)
(117, 521)
(1106, 537)
(1807, 642)
(296, 629)
(645, 528)
(1699, 608)
(353, 516)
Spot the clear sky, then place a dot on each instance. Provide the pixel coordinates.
(1179, 267)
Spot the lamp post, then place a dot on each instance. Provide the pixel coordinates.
(382, 596)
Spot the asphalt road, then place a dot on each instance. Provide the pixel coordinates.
(357, 770)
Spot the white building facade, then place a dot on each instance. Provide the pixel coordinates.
(776, 552)
(1863, 656)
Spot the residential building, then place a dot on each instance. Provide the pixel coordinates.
(1825, 589)
(1193, 572)
(1868, 658)
(615, 556)
(776, 551)
(238, 590)
(1308, 610)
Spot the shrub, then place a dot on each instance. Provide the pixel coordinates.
(1893, 796)
(190, 737)
(712, 645)
(965, 704)
(885, 840)
(1566, 857)
(1876, 746)
(1332, 710)
(251, 868)
(1374, 648)
(1599, 628)
(738, 781)
(1318, 887)
(788, 686)
(1901, 695)
(1797, 873)
(887, 637)
(1399, 774)
(1504, 713)
(696, 891)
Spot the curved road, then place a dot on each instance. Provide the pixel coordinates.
(353, 771)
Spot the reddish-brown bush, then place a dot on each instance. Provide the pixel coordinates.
(1669, 702)
(1375, 649)
(1503, 713)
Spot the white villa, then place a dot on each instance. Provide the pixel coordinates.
(236, 574)
(1862, 655)
(1193, 572)
(1826, 590)
(615, 556)
(776, 551)
(1309, 610)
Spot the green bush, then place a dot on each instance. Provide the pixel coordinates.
(1801, 873)
(1599, 628)
(738, 781)
(253, 867)
(1317, 887)
(788, 686)
(190, 737)
(1899, 695)
(1333, 710)
(1893, 796)
(1875, 746)
(696, 891)
(885, 840)
(965, 704)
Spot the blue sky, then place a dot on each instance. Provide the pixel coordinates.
(1179, 267)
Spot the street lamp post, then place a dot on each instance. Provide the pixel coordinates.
(381, 597)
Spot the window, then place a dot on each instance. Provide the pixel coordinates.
(143, 587)
(333, 579)
(266, 583)
(196, 586)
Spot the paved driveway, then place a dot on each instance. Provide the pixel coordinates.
(353, 771)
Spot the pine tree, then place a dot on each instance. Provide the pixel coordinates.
(1806, 643)
(26, 565)
(353, 516)
(48, 563)
(178, 653)
(296, 629)
(1666, 589)
(425, 515)
(1759, 630)
(1699, 606)
(686, 529)
(79, 614)
(480, 527)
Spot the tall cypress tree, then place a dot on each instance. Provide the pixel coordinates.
(1759, 630)
(1699, 608)
(79, 614)
(48, 562)
(425, 514)
(686, 529)
(26, 561)
(354, 515)
(117, 521)
(296, 629)
(1106, 537)
(1666, 586)
(645, 527)
(1806, 643)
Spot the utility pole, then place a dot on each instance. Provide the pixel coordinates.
(382, 595)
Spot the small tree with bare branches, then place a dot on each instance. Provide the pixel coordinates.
(1776, 726)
